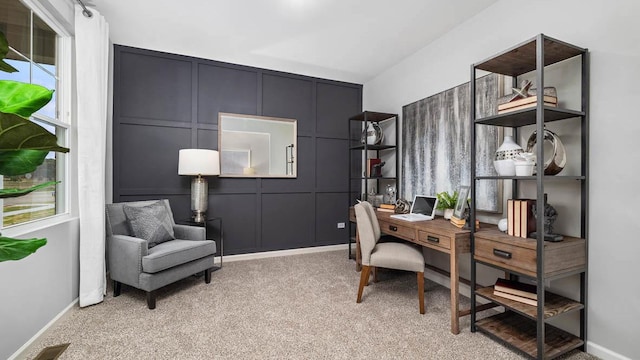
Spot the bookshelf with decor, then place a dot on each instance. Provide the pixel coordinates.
(533, 262)
(373, 137)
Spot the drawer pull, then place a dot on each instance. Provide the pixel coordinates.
(433, 239)
(502, 253)
(393, 228)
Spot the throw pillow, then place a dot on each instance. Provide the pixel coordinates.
(151, 222)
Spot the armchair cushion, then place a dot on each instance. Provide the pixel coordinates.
(152, 222)
(176, 252)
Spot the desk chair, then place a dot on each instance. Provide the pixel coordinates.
(390, 255)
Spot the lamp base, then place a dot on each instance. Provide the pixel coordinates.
(199, 199)
(199, 217)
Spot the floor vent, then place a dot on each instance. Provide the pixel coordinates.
(51, 352)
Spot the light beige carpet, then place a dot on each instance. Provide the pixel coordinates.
(294, 307)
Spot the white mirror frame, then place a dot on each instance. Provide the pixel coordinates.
(252, 146)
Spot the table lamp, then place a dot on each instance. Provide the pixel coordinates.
(199, 163)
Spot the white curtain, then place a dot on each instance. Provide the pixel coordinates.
(92, 64)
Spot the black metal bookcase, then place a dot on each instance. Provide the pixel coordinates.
(524, 327)
(359, 153)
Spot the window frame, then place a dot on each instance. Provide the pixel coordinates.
(64, 120)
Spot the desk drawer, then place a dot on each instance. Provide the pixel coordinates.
(432, 239)
(512, 257)
(403, 232)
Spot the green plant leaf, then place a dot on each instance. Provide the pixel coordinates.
(16, 249)
(17, 133)
(9, 193)
(20, 161)
(21, 98)
(4, 49)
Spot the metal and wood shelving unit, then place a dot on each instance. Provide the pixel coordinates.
(360, 152)
(521, 326)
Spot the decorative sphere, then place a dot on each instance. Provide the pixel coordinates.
(502, 224)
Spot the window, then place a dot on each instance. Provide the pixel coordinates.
(34, 51)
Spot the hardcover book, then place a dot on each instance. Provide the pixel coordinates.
(516, 288)
(515, 298)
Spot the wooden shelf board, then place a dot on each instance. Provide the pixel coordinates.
(528, 117)
(521, 58)
(520, 332)
(373, 116)
(373, 147)
(499, 236)
(554, 304)
(546, 177)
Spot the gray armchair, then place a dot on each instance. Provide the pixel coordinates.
(147, 263)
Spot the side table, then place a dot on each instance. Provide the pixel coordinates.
(209, 225)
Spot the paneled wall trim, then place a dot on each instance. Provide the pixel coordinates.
(165, 102)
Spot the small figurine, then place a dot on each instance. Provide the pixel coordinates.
(550, 216)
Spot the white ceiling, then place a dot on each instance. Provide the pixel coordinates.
(348, 40)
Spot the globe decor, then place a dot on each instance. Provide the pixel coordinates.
(23, 145)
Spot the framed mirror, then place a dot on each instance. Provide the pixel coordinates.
(257, 146)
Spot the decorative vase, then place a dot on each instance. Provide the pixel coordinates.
(448, 213)
(555, 162)
(503, 160)
(372, 135)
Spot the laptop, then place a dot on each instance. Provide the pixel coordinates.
(423, 208)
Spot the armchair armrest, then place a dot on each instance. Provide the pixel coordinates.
(187, 232)
(125, 258)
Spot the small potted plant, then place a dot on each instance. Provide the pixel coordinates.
(447, 202)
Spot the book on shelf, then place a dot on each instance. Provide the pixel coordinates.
(516, 217)
(527, 101)
(510, 217)
(516, 288)
(520, 219)
(525, 106)
(527, 220)
(517, 298)
(370, 164)
(458, 222)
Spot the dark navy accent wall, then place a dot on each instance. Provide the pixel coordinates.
(165, 102)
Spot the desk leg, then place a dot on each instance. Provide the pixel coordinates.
(455, 285)
(358, 252)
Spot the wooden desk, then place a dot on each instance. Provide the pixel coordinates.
(437, 234)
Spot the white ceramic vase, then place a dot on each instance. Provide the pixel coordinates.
(503, 160)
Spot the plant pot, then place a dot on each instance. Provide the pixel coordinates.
(448, 213)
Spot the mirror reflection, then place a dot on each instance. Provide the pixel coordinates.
(257, 146)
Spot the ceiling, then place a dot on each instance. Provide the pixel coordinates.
(348, 40)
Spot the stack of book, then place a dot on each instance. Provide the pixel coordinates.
(520, 219)
(517, 291)
(526, 103)
(462, 222)
(387, 208)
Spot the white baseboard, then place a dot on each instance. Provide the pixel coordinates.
(604, 353)
(277, 253)
(23, 349)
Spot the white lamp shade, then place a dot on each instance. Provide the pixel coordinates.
(198, 162)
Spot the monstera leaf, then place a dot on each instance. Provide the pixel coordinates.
(16, 249)
(20, 161)
(21, 98)
(17, 133)
(4, 49)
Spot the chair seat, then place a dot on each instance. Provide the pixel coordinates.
(176, 252)
(398, 256)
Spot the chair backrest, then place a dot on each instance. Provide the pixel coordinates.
(116, 220)
(368, 229)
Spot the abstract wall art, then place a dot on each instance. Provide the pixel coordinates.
(436, 142)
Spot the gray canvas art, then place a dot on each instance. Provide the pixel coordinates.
(436, 144)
